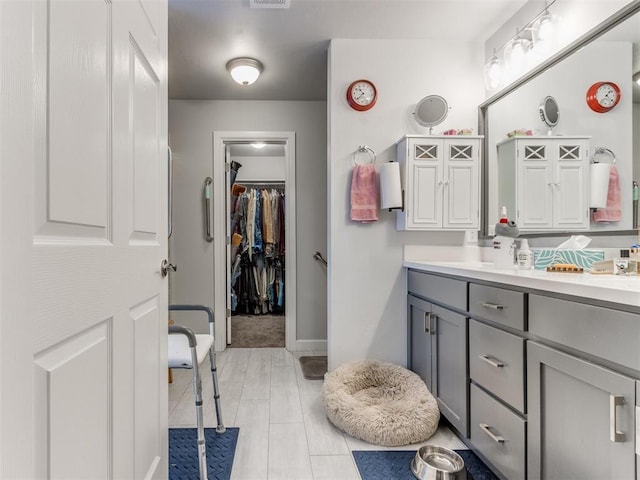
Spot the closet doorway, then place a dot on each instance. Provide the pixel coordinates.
(254, 274)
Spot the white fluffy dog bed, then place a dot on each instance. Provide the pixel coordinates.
(380, 403)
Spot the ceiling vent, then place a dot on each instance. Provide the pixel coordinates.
(270, 3)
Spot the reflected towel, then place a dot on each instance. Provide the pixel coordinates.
(364, 194)
(613, 211)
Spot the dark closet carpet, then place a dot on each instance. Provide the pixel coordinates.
(257, 331)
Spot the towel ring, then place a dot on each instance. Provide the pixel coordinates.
(364, 149)
(605, 151)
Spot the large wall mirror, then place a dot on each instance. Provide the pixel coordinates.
(529, 172)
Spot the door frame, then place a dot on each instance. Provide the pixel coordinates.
(220, 196)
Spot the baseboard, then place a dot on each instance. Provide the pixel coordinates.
(310, 346)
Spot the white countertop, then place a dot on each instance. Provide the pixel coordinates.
(611, 288)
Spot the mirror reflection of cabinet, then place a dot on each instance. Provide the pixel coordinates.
(441, 182)
(544, 181)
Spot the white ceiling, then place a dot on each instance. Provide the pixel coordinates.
(292, 43)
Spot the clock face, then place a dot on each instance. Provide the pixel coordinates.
(603, 96)
(606, 95)
(361, 95)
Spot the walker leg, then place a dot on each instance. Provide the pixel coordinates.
(202, 448)
(216, 391)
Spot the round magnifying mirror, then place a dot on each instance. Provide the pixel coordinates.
(431, 111)
(549, 112)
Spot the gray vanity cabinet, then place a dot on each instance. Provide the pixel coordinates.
(438, 343)
(580, 416)
(420, 342)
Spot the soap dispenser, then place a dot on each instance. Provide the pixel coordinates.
(525, 256)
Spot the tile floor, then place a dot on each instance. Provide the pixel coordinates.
(284, 433)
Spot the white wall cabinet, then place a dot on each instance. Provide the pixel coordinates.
(544, 181)
(441, 182)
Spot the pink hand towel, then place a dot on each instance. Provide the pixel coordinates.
(364, 194)
(613, 211)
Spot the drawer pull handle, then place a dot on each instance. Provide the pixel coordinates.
(492, 306)
(491, 361)
(615, 401)
(486, 429)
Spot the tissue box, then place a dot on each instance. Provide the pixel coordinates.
(545, 257)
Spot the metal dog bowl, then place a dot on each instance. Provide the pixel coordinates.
(438, 463)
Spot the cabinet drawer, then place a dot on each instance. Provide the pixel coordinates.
(496, 361)
(440, 289)
(497, 304)
(603, 332)
(491, 422)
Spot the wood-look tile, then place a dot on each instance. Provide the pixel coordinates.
(257, 383)
(334, 467)
(281, 357)
(288, 452)
(285, 400)
(322, 436)
(235, 364)
(251, 459)
(230, 393)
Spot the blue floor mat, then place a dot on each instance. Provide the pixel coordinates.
(396, 465)
(183, 453)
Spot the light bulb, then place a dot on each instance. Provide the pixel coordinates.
(515, 54)
(493, 74)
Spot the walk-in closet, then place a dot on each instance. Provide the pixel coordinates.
(256, 263)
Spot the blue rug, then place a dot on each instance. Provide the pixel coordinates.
(396, 465)
(183, 453)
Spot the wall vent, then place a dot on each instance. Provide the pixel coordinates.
(269, 3)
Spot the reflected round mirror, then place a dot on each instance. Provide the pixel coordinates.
(549, 112)
(431, 111)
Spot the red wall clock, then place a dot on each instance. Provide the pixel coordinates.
(362, 95)
(603, 96)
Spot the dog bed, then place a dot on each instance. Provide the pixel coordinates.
(380, 403)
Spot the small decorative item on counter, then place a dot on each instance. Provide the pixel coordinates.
(462, 131)
(503, 242)
(520, 132)
(625, 265)
(524, 256)
(565, 268)
(621, 264)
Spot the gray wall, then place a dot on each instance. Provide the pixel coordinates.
(191, 127)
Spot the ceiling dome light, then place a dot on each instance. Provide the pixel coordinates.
(244, 71)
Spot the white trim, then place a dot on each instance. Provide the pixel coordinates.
(219, 225)
(316, 346)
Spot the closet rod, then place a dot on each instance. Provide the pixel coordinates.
(265, 184)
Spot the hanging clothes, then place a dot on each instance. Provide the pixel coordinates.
(257, 274)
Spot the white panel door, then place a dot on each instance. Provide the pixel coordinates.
(534, 183)
(427, 195)
(461, 194)
(570, 203)
(83, 149)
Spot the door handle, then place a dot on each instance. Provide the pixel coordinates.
(166, 267)
(429, 323)
(615, 401)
